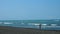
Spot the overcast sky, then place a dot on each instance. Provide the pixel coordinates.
(29, 9)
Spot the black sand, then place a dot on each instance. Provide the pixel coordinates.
(13, 30)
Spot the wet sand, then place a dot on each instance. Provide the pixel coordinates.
(14, 30)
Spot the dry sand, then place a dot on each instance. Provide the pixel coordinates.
(14, 30)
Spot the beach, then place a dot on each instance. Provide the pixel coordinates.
(14, 30)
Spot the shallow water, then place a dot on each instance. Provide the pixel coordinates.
(30, 24)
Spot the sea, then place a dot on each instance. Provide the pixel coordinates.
(37, 24)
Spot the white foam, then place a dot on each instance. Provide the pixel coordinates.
(53, 24)
(33, 24)
(7, 23)
(36, 24)
(44, 24)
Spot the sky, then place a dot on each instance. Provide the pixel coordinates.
(29, 9)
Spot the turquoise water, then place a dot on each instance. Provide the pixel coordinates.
(32, 21)
(29, 23)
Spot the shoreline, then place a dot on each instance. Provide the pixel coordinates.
(14, 30)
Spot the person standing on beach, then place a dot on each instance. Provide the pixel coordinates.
(40, 26)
